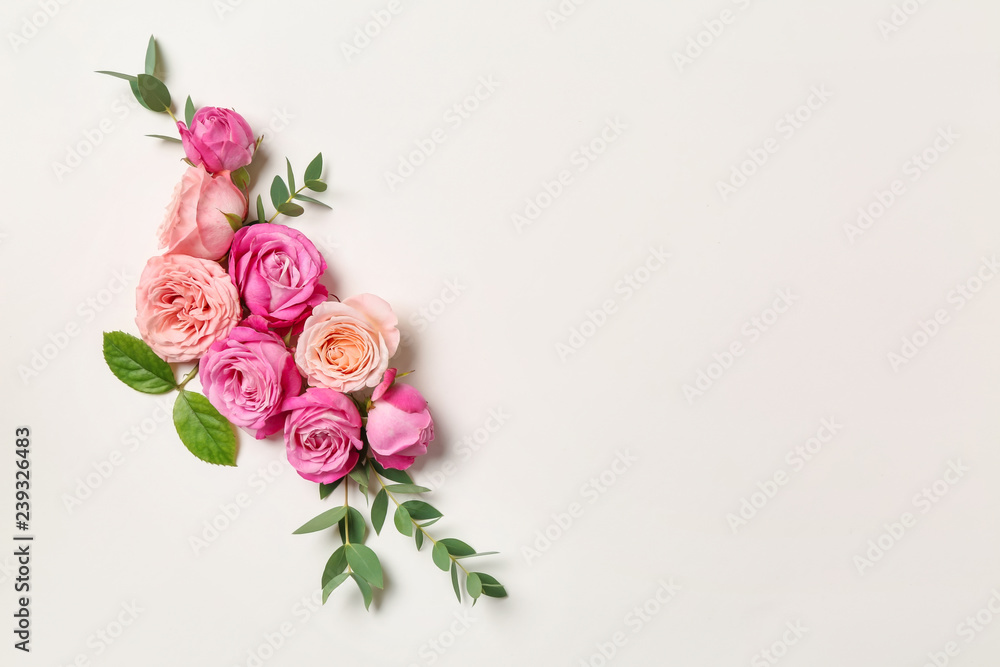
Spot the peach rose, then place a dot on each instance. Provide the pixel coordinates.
(196, 223)
(183, 305)
(346, 345)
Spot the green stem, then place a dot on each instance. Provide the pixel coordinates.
(290, 198)
(347, 525)
(188, 378)
(413, 521)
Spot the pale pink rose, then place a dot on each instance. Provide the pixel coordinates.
(219, 139)
(196, 223)
(346, 345)
(183, 305)
(399, 424)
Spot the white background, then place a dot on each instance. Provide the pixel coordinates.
(71, 223)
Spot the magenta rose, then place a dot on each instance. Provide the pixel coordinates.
(196, 223)
(277, 271)
(322, 434)
(219, 139)
(184, 305)
(399, 425)
(248, 376)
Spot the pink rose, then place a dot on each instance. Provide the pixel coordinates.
(219, 139)
(196, 223)
(277, 271)
(399, 425)
(322, 434)
(347, 345)
(248, 376)
(183, 305)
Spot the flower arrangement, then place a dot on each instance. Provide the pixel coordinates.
(274, 352)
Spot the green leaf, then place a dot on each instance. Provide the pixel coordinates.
(189, 112)
(420, 510)
(418, 538)
(309, 199)
(408, 488)
(433, 521)
(477, 555)
(261, 216)
(291, 175)
(127, 77)
(402, 520)
(457, 548)
(329, 586)
(491, 587)
(364, 562)
(315, 169)
(334, 566)
(165, 138)
(400, 476)
(454, 581)
(153, 92)
(356, 522)
(326, 489)
(440, 556)
(291, 210)
(151, 57)
(134, 85)
(234, 220)
(322, 521)
(279, 192)
(379, 509)
(241, 178)
(366, 590)
(203, 430)
(360, 475)
(316, 185)
(474, 585)
(134, 363)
